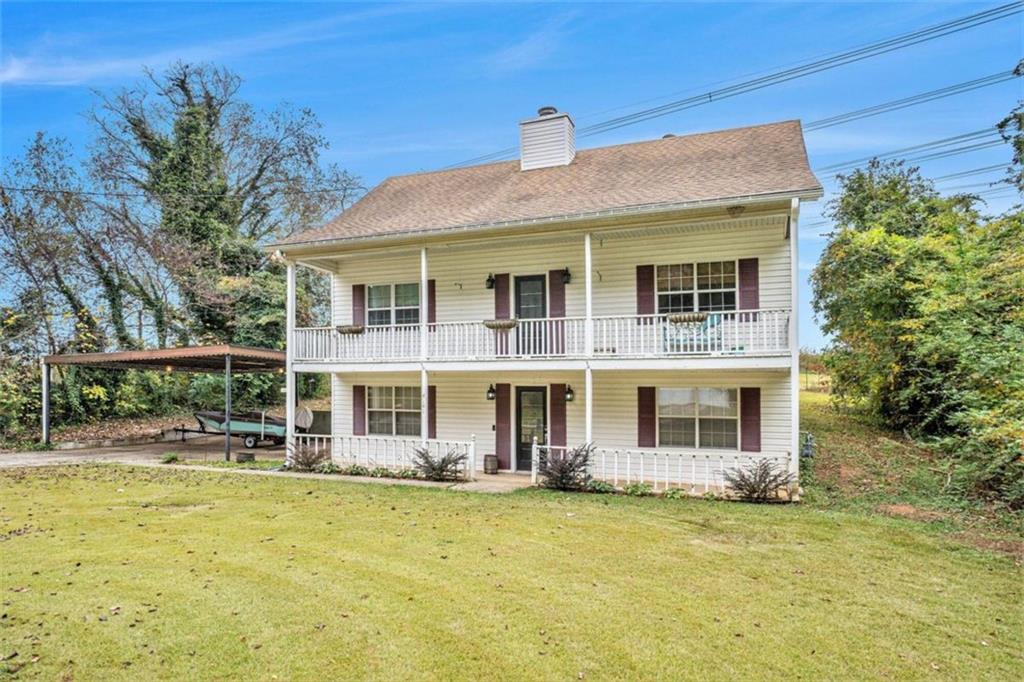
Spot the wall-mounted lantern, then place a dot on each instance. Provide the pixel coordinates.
(566, 276)
(489, 282)
(570, 394)
(491, 393)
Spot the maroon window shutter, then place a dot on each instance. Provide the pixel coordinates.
(749, 285)
(503, 425)
(501, 298)
(431, 301)
(431, 411)
(359, 410)
(645, 290)
(646, 416)
(556, 308)
(358, 304)
(557, 435)
(750, 419)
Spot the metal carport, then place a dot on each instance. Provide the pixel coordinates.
(207, 359)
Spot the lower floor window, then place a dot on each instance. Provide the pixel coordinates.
(393, 410)
(698, 417)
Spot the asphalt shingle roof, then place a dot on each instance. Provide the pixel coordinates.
(740, 162)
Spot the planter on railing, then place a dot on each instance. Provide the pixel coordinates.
(501, 324)
(350, 329)
(687, 318)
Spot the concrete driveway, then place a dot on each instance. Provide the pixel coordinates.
(204, 448)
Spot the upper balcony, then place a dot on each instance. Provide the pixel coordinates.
(739, 333)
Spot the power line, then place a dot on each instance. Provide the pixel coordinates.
(977, 139)
(974, 171)
(817, 66)
(913, 100)
(162, 195)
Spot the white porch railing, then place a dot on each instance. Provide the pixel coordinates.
(396, 454)
(757, 332)
(696, 472)
(753, 332)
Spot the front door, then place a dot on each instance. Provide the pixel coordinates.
(531, 304)
(531, 421)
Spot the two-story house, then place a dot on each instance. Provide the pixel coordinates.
(640, 297)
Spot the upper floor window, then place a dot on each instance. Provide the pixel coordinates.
(388, 304)
(698, 417)
(686, 287)
(393, 410)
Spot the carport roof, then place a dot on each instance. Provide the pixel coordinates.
(186, 359)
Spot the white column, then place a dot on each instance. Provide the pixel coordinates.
(423, 305)
(794, 338)
(45, 369)
(289, 382)
(588, 278)
(424, 406)
(589, 404)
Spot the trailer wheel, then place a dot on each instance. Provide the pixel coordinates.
(250, 441)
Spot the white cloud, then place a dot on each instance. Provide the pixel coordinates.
(533, 50)
(49, 63)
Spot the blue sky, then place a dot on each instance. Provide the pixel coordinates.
(404, 88)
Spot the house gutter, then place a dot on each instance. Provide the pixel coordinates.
(646, 209)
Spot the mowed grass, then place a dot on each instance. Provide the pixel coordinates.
(119, 573)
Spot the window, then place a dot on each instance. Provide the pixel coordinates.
(698, 417)
(388, 304)
(393, 410)
(687, 287)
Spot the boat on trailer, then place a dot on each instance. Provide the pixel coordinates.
(252, 427)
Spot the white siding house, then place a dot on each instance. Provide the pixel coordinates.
(640, 298)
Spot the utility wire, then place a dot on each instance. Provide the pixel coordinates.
(974, 171)
(817, 66)
(914, 100)
(983, 137)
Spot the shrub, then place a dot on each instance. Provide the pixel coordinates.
(442, 468)
(638, 490)
(602, 487)
(355, 470)
(758, 482)
(381, 472)
(406, 473)
(567, 472)
(170, 458)
(676, 494)
(326, 468)
(308, 459)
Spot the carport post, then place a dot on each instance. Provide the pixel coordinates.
(227, 408)
(45, 368)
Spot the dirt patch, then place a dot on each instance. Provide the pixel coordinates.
(1011, 548)
(909, 511)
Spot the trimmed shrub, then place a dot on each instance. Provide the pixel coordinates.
(601, 487)
(638, 490)
(568, 471)
(675, 494)
(759, 482)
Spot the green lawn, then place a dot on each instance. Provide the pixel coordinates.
(115, 573)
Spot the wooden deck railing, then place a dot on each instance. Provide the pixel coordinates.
(755, 332)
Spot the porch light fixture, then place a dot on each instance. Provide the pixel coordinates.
(566, 276)
(491, 393)
(168, 369)
(489, 282)
(570, 394)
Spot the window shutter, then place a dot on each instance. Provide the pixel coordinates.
(645, 304)
(749, 285)
(750, 419)
(646, 416)
(359, 410)
(556, 309)
(358, 304)
(557, 435)
(501, 298)
(503, 425)
(431, 301)
(431, 411)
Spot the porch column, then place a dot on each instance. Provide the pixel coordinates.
(423, 305)
(424, 406)
(588, 325)
(589, 406)
(794, 341)
(289, 375)
(45, 369)
(227, 408)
